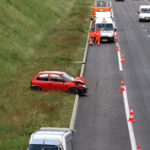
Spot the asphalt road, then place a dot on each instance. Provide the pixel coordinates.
(101, 122)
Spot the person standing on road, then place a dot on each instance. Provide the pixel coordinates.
(91, 36)
(97, 36)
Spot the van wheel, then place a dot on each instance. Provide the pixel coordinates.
(36, 88)
(74, 90)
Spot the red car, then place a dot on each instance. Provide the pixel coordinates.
(56, 80)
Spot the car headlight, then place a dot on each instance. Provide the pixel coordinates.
(84, 86)
(110, 35)
(141, 16)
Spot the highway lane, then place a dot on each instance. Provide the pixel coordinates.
(101, 121)
(135, 44)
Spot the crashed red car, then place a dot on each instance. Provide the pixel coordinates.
(56, 80)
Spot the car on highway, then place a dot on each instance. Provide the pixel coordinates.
(119, 0)
(57, 80)
(144, 13)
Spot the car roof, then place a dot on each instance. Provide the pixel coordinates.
(57, 72)
(145, 6)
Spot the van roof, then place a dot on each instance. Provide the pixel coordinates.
(46, 141)
(103, 20)
(145, 6)
(103, 14)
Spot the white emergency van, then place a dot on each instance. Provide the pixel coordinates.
(144, 13)
(107, 28)
(48, 138)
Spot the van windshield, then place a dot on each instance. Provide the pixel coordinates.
(105, 26)
(42, 147)
(145, 10)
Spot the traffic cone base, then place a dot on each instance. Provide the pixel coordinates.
(122, 89)
(139, 148)
(122, 61)
(131, 118)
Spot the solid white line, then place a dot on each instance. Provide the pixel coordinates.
(112, 13)
(147, 2)
(110, 4)
(119, 61)
(130, 127)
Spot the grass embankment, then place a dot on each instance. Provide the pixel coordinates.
(36, 36)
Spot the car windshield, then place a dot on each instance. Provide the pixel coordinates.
(105, 26)
(67, 77)
(145, 10)
(42, 147)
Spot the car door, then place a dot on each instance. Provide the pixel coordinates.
(43, 81)
(58, 83)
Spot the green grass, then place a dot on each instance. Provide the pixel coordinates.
(35, 36)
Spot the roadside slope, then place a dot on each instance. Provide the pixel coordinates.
(37, 36)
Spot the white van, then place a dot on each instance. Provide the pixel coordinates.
(48, 138)
(107, 28)
(144, 13)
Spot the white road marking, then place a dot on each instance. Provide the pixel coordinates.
(110, 4)
(142, 25)
(145, 30)
(148, 35)
(112, 13)
(130, 127)
(119, 60)
(147, 2)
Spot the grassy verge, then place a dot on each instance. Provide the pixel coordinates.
(36, 36)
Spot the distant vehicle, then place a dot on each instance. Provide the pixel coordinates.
(144, 13)
(119, 0)
(104, 11)
(56, 80)
(48, 138)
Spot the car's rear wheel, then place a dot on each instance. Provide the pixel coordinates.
(36, 88)
(74, 90)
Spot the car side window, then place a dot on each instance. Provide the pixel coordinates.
(56, 78)
(43, 77)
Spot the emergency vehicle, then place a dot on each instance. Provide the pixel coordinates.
(107, 28)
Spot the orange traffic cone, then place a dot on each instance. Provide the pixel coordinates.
(131, 118)
(139, 148)
(117, 47)
(122, 86)
(116, 37)
(122, 58)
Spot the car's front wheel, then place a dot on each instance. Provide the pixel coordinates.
(74, 90)
(36, 88)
